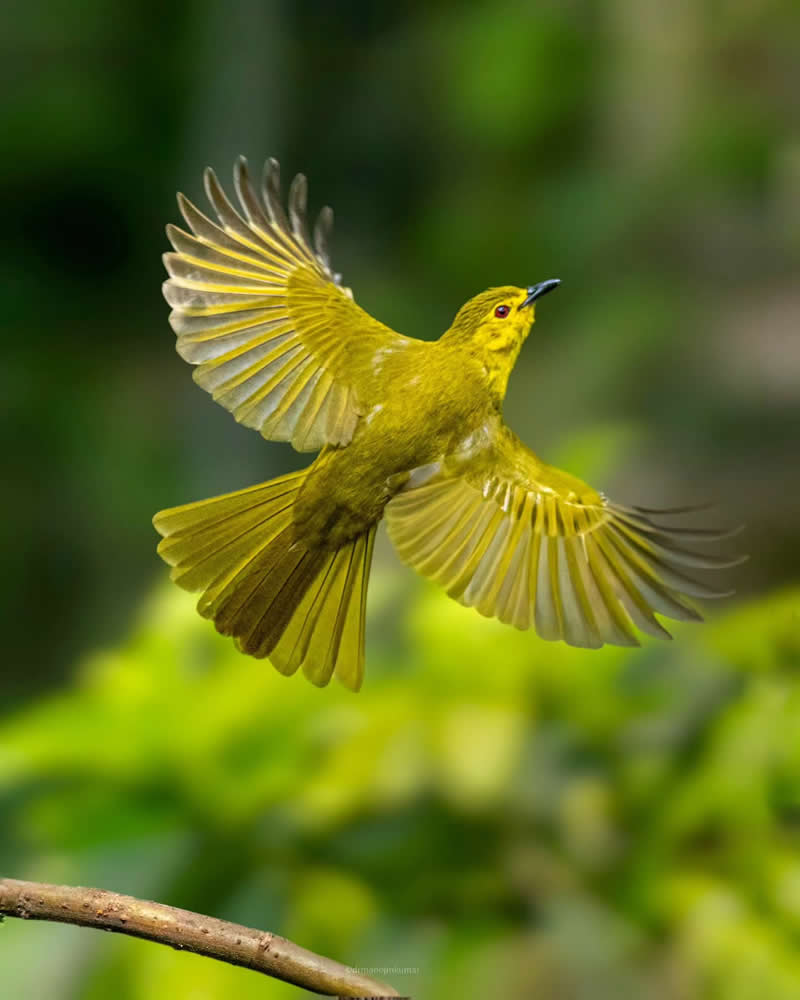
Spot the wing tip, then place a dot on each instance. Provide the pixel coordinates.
(241, 174)
(271, 176)
(299, 186)
(213, 188)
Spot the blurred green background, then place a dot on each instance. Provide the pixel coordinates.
(492, 815)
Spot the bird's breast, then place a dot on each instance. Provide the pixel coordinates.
(420, 411)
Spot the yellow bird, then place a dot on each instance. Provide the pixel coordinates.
(409, 429)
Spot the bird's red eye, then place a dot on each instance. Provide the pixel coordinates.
(501, 311)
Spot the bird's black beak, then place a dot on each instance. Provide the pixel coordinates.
(537, 291)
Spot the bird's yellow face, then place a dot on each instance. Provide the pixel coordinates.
(499, 319)
(507, 320)
(494, 326)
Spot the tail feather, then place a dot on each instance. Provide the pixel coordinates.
(292, 649)
(300, 607)
(258, 611)
(326, 635)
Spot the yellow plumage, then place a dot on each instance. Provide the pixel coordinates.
(407, 428)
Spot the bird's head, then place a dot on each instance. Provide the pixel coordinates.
(499, 319)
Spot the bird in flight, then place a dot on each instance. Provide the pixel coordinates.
(407, 429)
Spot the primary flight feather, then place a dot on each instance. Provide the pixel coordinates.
(409, 429)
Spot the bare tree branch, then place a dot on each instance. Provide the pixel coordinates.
(187, 931)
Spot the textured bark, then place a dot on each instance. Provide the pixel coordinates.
(261, 951)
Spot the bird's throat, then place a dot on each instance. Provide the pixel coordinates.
(499, 359)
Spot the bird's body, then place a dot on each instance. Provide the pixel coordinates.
(406, 428)
(360, 479)
(422, 400)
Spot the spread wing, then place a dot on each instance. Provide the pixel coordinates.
(526, 543)
(257, 308)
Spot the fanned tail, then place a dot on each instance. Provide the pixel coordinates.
(298, 606)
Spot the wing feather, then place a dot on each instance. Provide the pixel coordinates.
(256, 307)
(516, 539)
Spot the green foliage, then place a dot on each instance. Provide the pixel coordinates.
(646, 154)
(511, 818)
(491, 808)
